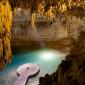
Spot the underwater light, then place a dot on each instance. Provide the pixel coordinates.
(48, 55)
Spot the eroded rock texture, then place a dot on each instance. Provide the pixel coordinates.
(59, 34)
(72, 70)
(5, 26)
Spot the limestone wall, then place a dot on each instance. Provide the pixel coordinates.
(57, 29)
(5, 26)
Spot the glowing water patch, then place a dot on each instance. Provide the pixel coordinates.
(48, 55)
(51, 55)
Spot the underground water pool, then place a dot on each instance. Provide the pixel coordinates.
(47, 59)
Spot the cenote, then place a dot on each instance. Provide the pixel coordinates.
(47, 59)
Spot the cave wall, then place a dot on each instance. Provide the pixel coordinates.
(72, 69)
(5, 36)
(53, 33)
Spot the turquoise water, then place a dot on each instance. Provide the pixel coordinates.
(47, 59)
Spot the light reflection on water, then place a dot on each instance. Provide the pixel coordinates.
(47, 64)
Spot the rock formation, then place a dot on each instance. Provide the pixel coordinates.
(57, 35)
(5, 27)
(72, 70)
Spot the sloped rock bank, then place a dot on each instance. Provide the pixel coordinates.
(72, 70)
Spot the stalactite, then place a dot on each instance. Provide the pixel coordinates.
(33, 21)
